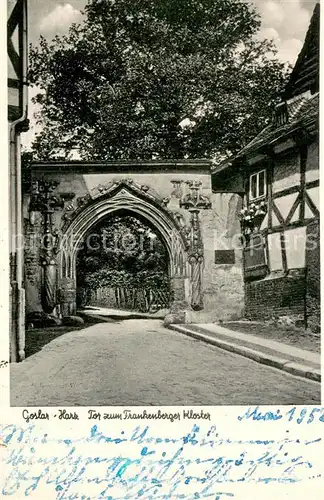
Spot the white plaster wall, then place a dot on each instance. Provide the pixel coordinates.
(312, 164)
(295, 242)
(284, 205)
(314, 194)
(275, 255)
(286, 172)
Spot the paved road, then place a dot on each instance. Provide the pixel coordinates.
(138, 362)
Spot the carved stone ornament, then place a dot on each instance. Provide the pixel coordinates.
(69, 206)
(177, 189)
(186, 232)
(196, 260)
(112, 189)
(83, 200)
(194, 201)
(46, 202)
(111, 186)
(165, 201)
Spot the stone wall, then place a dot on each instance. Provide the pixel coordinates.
(272, 298)
(223, 288)
(313, 277)
(223, 282)
(32, 269)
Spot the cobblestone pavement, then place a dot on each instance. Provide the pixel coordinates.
(138, 362)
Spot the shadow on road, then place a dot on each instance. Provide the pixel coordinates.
(37, 338)
(119, 314)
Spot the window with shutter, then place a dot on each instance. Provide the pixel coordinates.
(254, 258)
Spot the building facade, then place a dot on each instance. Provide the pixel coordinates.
(277, 176)
(17, 123)
(68, 199)
(242, 237)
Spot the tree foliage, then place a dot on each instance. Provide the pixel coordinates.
(122, 252)
(142, 79)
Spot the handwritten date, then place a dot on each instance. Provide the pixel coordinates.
(298, 415)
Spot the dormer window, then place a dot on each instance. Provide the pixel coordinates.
(258, 185)
(281, 114)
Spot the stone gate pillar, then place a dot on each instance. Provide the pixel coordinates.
(45, 202)
(194, 202)
(178, 288)
(67, 296)
(180, 304)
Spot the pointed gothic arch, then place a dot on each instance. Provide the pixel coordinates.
(127, 197)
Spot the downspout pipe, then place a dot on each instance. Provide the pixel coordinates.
(17, 334)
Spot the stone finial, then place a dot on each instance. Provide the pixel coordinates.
(195, 200)
(165, 201)
(177, 190)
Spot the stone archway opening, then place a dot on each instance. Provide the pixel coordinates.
(122, 197)
(68, 199)
(123, 263)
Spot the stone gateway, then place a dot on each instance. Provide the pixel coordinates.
(67, 199)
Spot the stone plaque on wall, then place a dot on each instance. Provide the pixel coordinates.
(224, 257)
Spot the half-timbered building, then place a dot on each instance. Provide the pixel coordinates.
(277, 176)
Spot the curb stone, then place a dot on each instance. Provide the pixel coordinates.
(282, 364)
(302, 371)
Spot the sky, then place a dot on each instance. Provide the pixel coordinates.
(284, 21)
